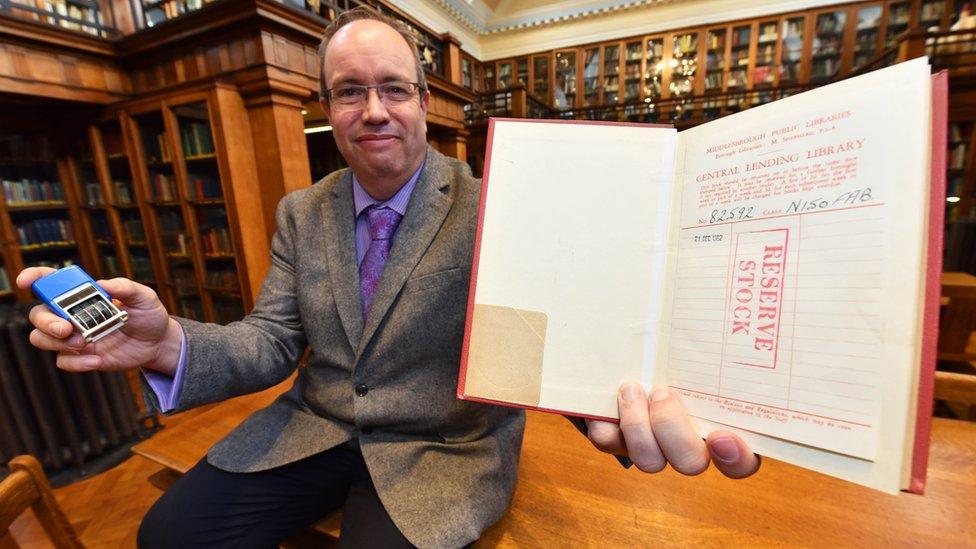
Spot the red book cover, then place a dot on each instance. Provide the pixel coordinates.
(933, 286)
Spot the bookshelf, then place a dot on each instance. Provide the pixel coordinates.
(38, 213)
(565, 84)
(540, 77)
(610, 92)
(632, 57)
(867, 34)
(591, 77)
(931, 13)
(767, 41)
(186, 224)
(897, 21)
(828, 40)
(522, 71)
(715, 59)
(958, 192)
(654, 65)
(684, 67)
(505, 75)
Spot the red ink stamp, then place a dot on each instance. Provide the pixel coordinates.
(755, 307)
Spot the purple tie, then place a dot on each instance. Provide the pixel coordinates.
(382, 224)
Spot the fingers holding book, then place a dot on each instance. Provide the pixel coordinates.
(657, 431)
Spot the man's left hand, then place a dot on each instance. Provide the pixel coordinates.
(656, 431)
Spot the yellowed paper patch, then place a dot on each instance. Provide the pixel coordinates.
(505, 361)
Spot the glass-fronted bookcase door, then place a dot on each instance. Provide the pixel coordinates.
(188, 223)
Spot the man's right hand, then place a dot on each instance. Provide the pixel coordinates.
(150, 338)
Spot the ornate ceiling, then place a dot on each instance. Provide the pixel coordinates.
(495, 16)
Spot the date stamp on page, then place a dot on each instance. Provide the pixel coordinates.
(754, 309)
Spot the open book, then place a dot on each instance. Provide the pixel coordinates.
(773, 267)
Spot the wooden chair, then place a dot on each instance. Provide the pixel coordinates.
(27, 486)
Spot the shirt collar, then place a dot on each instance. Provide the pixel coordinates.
(397, 202)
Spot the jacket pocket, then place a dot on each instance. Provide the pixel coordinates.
(433, 280)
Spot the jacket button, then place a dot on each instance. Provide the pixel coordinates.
(362, 389)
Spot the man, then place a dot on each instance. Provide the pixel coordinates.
(370, 269)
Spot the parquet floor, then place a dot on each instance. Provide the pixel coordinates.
(105, 509)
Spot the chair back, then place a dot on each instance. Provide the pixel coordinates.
(27, 486)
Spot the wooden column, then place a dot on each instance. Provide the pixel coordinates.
(456, 145)
(280, 151)
(452, 59)
(241, 159)
(520, 108)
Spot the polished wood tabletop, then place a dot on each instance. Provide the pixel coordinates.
(569, 494)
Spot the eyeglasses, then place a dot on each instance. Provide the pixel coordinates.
(353, 95)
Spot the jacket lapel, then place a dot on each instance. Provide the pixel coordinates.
(426, 211)
(340, 249)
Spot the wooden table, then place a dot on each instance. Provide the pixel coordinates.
(568, 494)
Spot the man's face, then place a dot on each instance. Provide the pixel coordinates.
(384, 143)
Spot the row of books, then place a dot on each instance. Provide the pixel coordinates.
(45, 232)
(205, 187)
(191, 308)
(956, 132)
(32, 191)
(100, 227)
(228, 310)
(177, 243)
(196, 139)
(112, 266)
(831, 23)
(95, 197)
(183, 277)
(824, 67)
(217, 241)
(142, 268)
(163, 187)
(957, 156)
(222, 279)
(170, 221)
(133, 231)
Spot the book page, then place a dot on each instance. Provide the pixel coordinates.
(568, 277)
(799, 262)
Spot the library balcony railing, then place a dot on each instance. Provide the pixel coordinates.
(682, 111)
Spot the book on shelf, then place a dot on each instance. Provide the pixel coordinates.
(196, 139)
(748, 263)
(93, 194)
(164, 187)
(32, 191)
(162, 147)
(123, 197)
(44, 232)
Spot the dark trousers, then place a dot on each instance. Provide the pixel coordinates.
(208, 507)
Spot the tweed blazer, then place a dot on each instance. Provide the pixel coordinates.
(444, 469)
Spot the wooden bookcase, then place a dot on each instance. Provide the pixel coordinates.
(155, 192)
(810, 46)
(40, 216)
(187, 209)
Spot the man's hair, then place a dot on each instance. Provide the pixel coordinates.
(364, 13)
